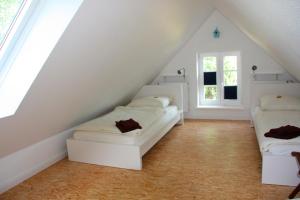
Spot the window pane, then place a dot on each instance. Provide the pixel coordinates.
(230, 63)
(210, 78)
(230, 78)
(209, 64)
(230, 92)
(210, 92)
(8, 11)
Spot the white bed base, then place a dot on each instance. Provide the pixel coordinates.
(277, 169)
(122, 155)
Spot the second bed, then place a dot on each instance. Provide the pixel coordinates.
(100, 142)
(277, 109)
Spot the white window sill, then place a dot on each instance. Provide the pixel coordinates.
(239, 107)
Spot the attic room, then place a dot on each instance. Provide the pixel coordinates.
(141, 99)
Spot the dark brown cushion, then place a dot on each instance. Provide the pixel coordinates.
(127, 125)
(284, 132)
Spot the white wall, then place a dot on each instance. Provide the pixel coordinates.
(231, 39)
(110, 50)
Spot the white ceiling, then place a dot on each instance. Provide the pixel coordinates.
(274, 25)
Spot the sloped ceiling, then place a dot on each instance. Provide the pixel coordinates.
(110, 50)
(274, 25)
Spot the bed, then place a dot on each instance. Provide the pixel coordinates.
(109, 147)
(266, 120)
(278, 166)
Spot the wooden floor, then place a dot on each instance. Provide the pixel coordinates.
(205, 160)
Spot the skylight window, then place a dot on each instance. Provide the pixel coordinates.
(29, 30)
(9, 12)
(12, 21)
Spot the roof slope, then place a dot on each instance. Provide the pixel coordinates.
(274, 25)
(110, 50)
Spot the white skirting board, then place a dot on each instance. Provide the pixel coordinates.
(21, 165)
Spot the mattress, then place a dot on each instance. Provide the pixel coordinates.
(168, 115)
(266, 120)
(145, 116)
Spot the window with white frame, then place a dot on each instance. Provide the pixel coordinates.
(219, 79)
(29, 31)
(13, 17)
(9, 12)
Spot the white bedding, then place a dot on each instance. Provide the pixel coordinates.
(145, 116)
(266, 120)
(94, 131)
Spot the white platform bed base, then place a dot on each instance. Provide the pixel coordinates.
(123, 155)
(277, 169)
(114, 155)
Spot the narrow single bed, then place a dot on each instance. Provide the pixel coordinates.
(265, 120)
(275, 110)
(150, 119)
(156, 109)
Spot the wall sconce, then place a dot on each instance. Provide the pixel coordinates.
(254, 68)
(181, 72)
(216, 33)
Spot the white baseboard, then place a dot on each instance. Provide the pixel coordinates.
(23, 164)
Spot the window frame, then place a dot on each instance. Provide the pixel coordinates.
(201, 101)
(13, 23)
(12, 41)
(201, 80)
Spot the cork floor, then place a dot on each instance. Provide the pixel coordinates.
(217, 160)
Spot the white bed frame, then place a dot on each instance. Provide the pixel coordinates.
(122, 155)
(276, 169)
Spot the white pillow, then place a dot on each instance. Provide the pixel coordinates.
(278, 102)
(151, 101)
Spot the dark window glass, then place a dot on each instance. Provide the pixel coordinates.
(210, 78)
(230, 92)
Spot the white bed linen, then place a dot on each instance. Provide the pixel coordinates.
(266, 120)
(127, 138)
(145, 116)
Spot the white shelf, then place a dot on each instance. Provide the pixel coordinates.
(171, 75)
(269, 73)
(173, 78)
(267, 76)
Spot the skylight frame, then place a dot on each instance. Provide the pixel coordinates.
(8, 45)
(12, 24)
